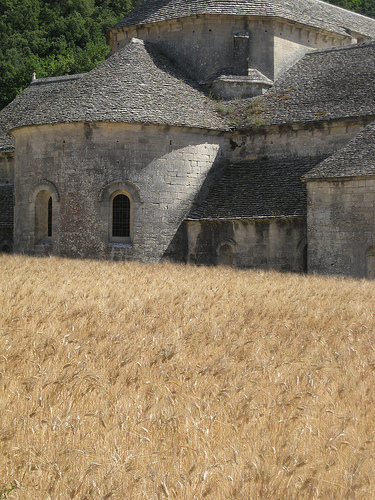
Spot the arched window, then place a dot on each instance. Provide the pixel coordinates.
(43, 215)
(49, 221)
(225, 252)
(5, 247)
(302, 254)
(121, 216)
(304, 257)
(225, 255)
(44, 201)
(120, 201)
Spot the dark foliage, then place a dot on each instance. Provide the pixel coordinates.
(52, 37)
(366, 7)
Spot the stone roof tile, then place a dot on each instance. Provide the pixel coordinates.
(258, 189)
(357, 158)
(313, 13)
(324, 85)
(137, 84)
(6, 143)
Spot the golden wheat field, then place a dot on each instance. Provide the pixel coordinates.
(130, 381)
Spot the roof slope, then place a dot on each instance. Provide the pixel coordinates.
(138, 84)
(309, 12)
(356, 158)
(6, 143)
(259, 189)
(324, 85)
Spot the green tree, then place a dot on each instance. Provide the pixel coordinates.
(52, 37)
(366, 7)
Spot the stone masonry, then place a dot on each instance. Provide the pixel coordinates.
(220, 132)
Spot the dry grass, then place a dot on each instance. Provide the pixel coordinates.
(159, 381)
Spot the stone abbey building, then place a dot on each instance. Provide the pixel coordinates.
(234, 132)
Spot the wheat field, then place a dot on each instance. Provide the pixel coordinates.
(131, 381)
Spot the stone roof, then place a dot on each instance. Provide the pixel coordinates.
(258, 189)
(17, 108)
(356, 158)
(6, 206)
(253, 76)
(6, 143)
(137, 84)
(313, 13)
(324, 85)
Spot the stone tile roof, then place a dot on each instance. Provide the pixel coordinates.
(17, 108)
(253, 76)
(138, 84)
(258, 189)
(309, 12)
(6, 143)
(324, 85)
(6, 206)
(356, 158)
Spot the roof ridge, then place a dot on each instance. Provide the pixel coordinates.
(55, 79)
(315, 13)
(339, 48)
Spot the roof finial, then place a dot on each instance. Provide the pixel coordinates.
(34, 77)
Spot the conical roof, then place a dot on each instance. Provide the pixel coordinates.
(138, 84)
(314, 13)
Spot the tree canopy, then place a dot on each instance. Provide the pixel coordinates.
(60, 37)
(53, 37)
(365, 7)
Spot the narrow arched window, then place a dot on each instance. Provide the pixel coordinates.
(225, 255)
(43, 215)
(49, 222)
(121, 216)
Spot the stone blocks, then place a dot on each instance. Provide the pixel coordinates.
(166, 166)
(341, 225)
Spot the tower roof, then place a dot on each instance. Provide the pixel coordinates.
(138, 84)
(314, 13)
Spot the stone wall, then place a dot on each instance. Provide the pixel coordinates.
(320, 139)
(265, 244)
(292, 41)
(269, 244)
(204, 45)
(164, 170)
(341, 227)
